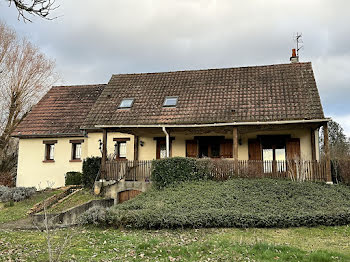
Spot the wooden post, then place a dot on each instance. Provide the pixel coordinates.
(235, 147)
(136, 147)
(327, 153)
(104, 154)
(313, 145)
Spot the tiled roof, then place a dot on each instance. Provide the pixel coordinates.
(258, 93)
(60, 112)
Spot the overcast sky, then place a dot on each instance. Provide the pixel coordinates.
(93, 39)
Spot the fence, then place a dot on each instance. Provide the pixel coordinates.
(222, 169)
(138, 170)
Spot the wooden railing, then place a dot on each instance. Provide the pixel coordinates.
(138, 170)
(222, 169)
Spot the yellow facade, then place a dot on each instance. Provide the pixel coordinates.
(32, 171)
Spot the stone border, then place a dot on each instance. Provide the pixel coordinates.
(70, 216)
(51, 200)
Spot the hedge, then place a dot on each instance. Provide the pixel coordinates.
(91, 168)
(73, 178)
(233, 203)
(170, 171)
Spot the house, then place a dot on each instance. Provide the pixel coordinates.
(51, 142)
(261, 113)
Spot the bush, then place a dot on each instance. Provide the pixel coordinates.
(73, 178)
(233, 203)
(91, 167)
(168, 171)
(95, 215)
(15, 193)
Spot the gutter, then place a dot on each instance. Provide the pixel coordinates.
(302, 121)
(59, 135)
(166, 141)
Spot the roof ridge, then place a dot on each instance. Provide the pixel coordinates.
(209, 69)
(87, 85)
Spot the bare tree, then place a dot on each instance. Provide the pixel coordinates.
(25, 75)
(41, 8)
(339, 144)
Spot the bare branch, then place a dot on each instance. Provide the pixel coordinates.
(41, 8)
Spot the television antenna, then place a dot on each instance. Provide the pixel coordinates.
(299, 42)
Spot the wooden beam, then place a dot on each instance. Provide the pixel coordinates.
(104, 154)
(235, 143)
(327, 153)
(313, 144)
(136, 147)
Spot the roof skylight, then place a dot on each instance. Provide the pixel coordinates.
(170, 101)
(126, 103)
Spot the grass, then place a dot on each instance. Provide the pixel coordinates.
(20, 209)
(78, 198)
(235, 203)
(96, 244)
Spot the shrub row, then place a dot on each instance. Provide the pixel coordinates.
(15, 193)
(159, 218)
(233, 203)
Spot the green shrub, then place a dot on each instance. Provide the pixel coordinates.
(73, 178)
(169, 171)
(233, 203)
(91, 167)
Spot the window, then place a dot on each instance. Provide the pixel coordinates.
(274, 149)
(126, 103)
(120, 147)
(76, 150)
(49, 150)
(161, 147)
(170, 101)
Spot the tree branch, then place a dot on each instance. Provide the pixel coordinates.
(41, 8)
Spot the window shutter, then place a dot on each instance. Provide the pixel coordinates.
(293, 148)
(254, 149)
(226, 148)
(191, 148)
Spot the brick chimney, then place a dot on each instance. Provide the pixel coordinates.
(294, 58)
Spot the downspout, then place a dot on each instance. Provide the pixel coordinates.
(166, 141)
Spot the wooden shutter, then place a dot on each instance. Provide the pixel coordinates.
(191, 148)
(293, 148)
(226, 148)
(254, 149)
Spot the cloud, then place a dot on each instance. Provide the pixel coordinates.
(94, 39)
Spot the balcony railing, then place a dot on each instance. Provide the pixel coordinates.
(222, 169)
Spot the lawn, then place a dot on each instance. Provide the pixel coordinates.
(98, 244)
(20, 209)
(78, 198)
